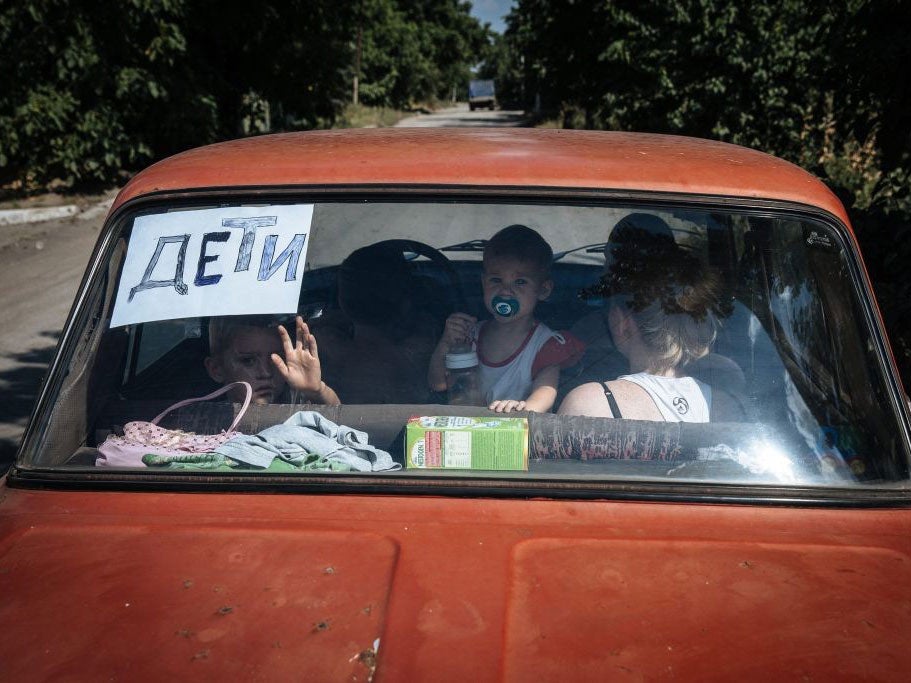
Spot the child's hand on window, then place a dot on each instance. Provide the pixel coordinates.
(507, 406)
(300, 367)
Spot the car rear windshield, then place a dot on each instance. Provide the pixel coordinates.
(454, 340)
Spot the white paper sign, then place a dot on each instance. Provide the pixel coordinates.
(232, 261)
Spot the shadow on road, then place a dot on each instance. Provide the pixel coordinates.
(507, 119)
(20, 385)
(463, 118)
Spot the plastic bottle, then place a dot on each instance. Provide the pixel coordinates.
(464, 378)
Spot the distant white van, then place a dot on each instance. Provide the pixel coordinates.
(481, 93)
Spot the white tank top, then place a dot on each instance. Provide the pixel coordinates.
(513, 380)
(679, 399)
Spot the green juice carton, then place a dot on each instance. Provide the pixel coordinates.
(466, 443)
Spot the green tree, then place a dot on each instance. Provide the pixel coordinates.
(78, 80)
(393, 67)
(504, 64)
(91, 90)
(292, 54)
(417, 50)
(454, 40)
(821, 84)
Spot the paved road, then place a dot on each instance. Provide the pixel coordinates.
(460, 117)
(41, 265)
(40, 268)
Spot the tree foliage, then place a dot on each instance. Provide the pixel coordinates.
(417, 50)
(76, 81)
(503, 64)
(821, 84)
(804, 79)
(93, 89)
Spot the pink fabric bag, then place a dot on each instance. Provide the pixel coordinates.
(141, 437)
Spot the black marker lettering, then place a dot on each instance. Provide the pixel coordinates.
(248, 225)
(291, 254)
(201, 279)
(177, 281)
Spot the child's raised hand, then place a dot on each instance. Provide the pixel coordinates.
(300, 367)
(458, 328)
(507, 406)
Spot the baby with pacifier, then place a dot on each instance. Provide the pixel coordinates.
(519, 357)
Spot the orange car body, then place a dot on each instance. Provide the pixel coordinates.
(230, 585)
(576, 160)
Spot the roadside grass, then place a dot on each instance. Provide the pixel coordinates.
(42, 197)
(361, 116)
(17, 195)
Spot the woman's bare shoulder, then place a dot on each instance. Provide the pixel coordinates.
(586, 399)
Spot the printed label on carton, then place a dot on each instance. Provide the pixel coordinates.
(476, 443)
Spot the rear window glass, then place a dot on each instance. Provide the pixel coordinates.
(472, 339)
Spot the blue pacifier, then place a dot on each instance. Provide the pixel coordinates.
(505, 307)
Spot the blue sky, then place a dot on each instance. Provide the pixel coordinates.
(491, 11)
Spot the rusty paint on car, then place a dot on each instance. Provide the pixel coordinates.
(453, 589)
(504, 158)
(131, 585)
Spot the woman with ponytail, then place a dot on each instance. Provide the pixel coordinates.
(663, 314)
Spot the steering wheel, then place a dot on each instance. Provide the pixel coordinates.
(438, 258)
(449, 294)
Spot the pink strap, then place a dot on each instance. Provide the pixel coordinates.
(218, 392)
